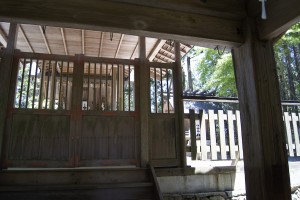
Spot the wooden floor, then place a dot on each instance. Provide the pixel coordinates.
(82, 183)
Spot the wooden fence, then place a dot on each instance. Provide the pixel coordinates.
(218, 135)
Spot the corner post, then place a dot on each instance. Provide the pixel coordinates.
(265, 156)
(144, 102)
(5, 79)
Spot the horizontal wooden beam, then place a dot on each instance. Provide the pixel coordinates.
(198, 29)
(230, 9)
(281, 15)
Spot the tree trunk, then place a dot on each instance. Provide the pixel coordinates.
(290, 73)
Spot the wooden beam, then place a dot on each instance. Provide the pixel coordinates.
(101, 43)
(158, 45)
(134, 50)
(144, 98)
(119, 45)
(64, 40)
(179, 110)
(165, 57)
(45, 40)
(25, 38)
(6, 66)
(3, 37)
(226, 8)
(265, 155)
(281, 15)
(83, 41)
(199, 29)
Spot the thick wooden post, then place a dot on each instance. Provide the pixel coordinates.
(179, 104)
(5, 79)
(144, 99)
(265, 157)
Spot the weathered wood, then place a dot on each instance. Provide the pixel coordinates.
(281, 15)
(222, 134)
(158, 45)
(265, 159)
(143, 20)
(5, 80)
(239, 131)
(3, 37)
(231, 134)
(287, 120)
(295, 120)
(179, 110)
(212, 133)
(193, 134)
(144, 98)
(203, 134)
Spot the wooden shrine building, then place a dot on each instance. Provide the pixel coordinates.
(76, 78)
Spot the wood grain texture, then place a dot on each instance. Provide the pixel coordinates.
(125, 18)
(281, 15)
(266, 166)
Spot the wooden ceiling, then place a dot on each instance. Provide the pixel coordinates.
(70, 41)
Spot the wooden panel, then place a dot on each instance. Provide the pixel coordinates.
(287, 120)
(193, 134)
(295, 120)
(107, 138)
(39, 138)
(204, 149)
(212, 131)
(163, 136)
(239, 131)
(222, 134)
(231, 134)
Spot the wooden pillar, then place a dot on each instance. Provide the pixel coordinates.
(179, 104)
(5, 79)
(265, 156)
(144, 99)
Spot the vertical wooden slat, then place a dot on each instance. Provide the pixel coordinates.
(94, 99)
(100, 83)
(28, 84)
(212, 130)
(231, 134)
(203, 134)
(129, 86)
(22, 82)
(193, 134)
(106, 92)
(161, 91)
(155, 89)
(67, 85)
(112, 103)
(34, 87)
(88, 87)
(222, 134)
(53, 85)
(123, 89)
(168, 91)
(287, 120)
(42, 85)
(239, 132)
(295, 119)
(47, 85)
(60, 86)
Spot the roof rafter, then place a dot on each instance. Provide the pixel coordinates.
(64, 40)
(82, 41)
(158, 45)
(25, 38)
(119, 45)
(45, 40)
(3, 37)
(100, 45)
(165, 57)
(134, 50)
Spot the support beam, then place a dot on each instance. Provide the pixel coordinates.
(25, 38)
(265, 156)
(165, 57)
(3, 37)
(119, 45)
(281, 15)
(144, 100)
(82, 41)
(45, 40)
(101, 43)
(158, 45)
(5, 81)
(201, 28)
(178, 101)
(64, 40)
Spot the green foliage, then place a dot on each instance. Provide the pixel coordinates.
(216, 73)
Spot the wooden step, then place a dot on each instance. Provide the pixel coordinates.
(72, 176)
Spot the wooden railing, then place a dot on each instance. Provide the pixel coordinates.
(218, 136)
